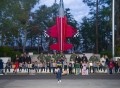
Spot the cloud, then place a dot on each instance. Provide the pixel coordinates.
(77, 7)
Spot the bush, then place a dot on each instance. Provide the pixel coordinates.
(118, 51)
(8, 52)
(108, 53)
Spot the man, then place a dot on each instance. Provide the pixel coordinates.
(22, 58)
(1, 66)
(73, 56)
(92, 63)
(28, 58)
(77, 68)
(55, 56)
(41, 57)
(61, 55)
(84, 58)
(48, 57)
(94, 58)
(78, 59)
(8, 66)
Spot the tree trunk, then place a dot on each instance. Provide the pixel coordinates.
(96, 26)
(25, 39)
(38, 45)
(0, 39)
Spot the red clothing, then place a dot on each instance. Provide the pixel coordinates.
(111, 65)
(16, 65)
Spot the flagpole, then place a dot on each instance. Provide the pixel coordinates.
(113, 28)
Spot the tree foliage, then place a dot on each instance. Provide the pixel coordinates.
(14, 18)
(20, 27)
(104, 26)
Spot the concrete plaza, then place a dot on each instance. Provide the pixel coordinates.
(68, 83)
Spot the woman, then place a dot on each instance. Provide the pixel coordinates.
(16, 64)
(111, 66)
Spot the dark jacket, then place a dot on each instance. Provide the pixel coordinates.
(1, 64)
(78, 59)
(84, 58)
(28, 59)
(58, 74)
(21, 59)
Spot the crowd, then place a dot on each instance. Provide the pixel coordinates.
(49, 63)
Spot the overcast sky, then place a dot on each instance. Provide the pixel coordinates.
(77, 7)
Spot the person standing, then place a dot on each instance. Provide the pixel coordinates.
(111, 66)
(78, 59)
(41, 57)
(16, 64)
(29, 67)
(84, 58)
(20, 67)
(1, 66)
(73, 56)
(28, 58)
(94, 58)
(84, 68)
(116, 67)
(70, 68)
(77, 68)
(102, 60)
(48, 57)
(65, 65)
(54, 66)
(90, 67)
(55, 56)
(58, 74)
(118, 64)
(106, 63)
(48, 67)
(8, 66)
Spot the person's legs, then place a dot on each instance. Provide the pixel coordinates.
(59, 79)
(53, 69)
(90, 69)
(93, 68)
(78, 71)
(46, 69)
(110, 70)
(116, 69)
(5, 69)
(28, 70)
(0, 71)
(9, 69)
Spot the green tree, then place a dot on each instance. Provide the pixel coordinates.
(15, 15)
(104, 25)
(117, 22)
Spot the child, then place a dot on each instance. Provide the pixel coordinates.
(58, 74)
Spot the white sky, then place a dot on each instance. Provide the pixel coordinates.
(77, 7)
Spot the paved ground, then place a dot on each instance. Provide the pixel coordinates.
(68, 81)
(52, 83)
(53, 76)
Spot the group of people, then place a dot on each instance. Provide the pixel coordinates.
(49, 63)
(95, 64)
(19, 62)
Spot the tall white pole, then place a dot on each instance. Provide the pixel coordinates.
(61, 30)
(113, 28)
